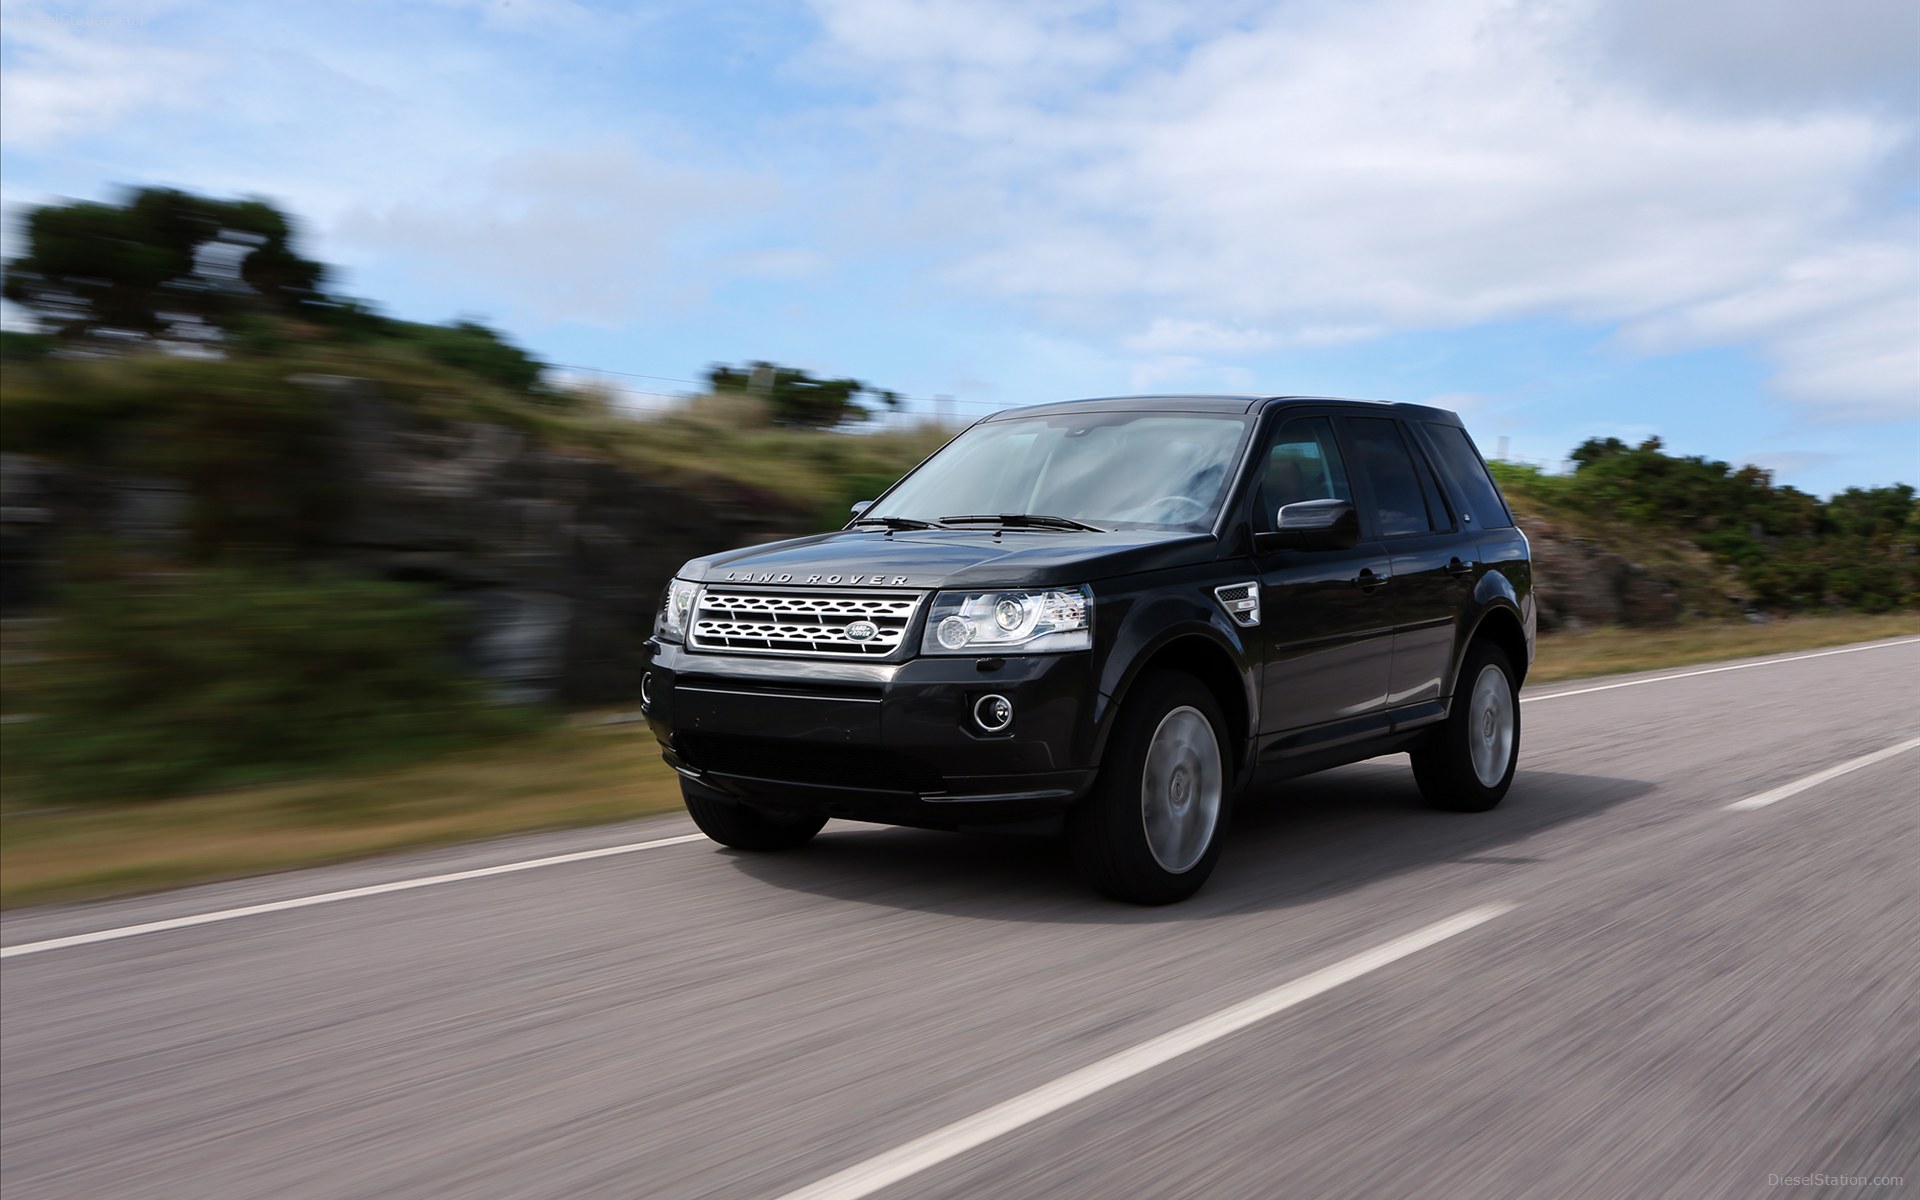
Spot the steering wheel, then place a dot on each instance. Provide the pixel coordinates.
(1199, 507)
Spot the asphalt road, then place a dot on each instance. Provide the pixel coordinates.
(1648, 994)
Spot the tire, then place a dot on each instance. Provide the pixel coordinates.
(745, 828)
(1469, 764)
(1150, 831)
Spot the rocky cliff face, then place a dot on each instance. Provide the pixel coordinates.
(1579, 583)
(555, 558)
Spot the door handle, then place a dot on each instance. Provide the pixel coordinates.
(1366, 581)
(1460, 568)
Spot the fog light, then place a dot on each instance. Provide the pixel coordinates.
(646, 690)
(993, 713)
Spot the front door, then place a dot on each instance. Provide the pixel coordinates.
(1326, 612)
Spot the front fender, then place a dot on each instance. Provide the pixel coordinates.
(1183, 625)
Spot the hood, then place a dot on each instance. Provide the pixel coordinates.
(937, 558)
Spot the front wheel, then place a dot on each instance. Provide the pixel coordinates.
(745, 828)
(1469, 764)
(1150, 830)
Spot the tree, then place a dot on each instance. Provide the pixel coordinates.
(796, 398)
(165, 265)
(1594, 449)
(19, 346)
(170, 267)
(473, 348)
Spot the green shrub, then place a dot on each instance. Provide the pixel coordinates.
(149, 685)
(1789, 551)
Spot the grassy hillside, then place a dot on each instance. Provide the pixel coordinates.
(1730, 539)
(200, 419)
(240, 597)
(1706, 589)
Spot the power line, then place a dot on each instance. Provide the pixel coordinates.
(628, 374)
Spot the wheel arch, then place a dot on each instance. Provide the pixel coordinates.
(1195, 653)
(1501, 625)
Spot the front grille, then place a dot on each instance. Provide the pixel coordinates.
(756, 621)
(871, 768)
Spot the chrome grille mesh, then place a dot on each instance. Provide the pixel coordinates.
(1242, 601)
(757, 621)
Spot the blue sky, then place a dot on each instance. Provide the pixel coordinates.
(1564, 218)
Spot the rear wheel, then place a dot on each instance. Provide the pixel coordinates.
(744, 828)
(1469, 764)
(1150, 830)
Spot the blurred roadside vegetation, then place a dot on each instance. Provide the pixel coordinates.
(1790, 552)
(587, 772)
(159, 681)
(172, 325)
(172, 322)
(563, 776)
(173, 329)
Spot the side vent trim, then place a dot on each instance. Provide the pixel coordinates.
(1242, 602)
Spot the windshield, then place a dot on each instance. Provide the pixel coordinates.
(1116, 470)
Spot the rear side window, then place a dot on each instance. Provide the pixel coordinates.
(1399, 501)
(1482, 506)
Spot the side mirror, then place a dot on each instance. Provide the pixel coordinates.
(1312, 525)
(861, 506)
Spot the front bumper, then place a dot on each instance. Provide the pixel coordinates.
(894, 743)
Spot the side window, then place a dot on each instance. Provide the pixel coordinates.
(1484, 509)
(1400, 501)
(1303, 463)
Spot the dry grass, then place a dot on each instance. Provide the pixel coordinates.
(568, 777)
(585, 776)
(1618, 651)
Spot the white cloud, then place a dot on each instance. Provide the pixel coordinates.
(1179, 190)
(1392, 166)
(404, 138)
(584, 233)
(1174, 335)
(1168, 335)
(1843, 327)
(778, 262)
(1780, 54)
(73, 72)
(1177, 373)
(1463, 403)
(550, 17)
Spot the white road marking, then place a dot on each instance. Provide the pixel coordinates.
(231, 914)
(863, 1179)
(1765, 662)
(377, 889)
(1820, 777)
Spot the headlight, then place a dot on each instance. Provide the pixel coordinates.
(676, 606)
(1040, 622)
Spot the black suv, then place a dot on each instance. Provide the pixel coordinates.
(1110, 617)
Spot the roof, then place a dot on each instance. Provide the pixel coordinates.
(1218, 403)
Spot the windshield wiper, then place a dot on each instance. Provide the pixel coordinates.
(897, 522)
(1016, 520)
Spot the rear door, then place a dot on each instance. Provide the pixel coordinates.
(1432, 560)
(1326, 617)
(1499, 548)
